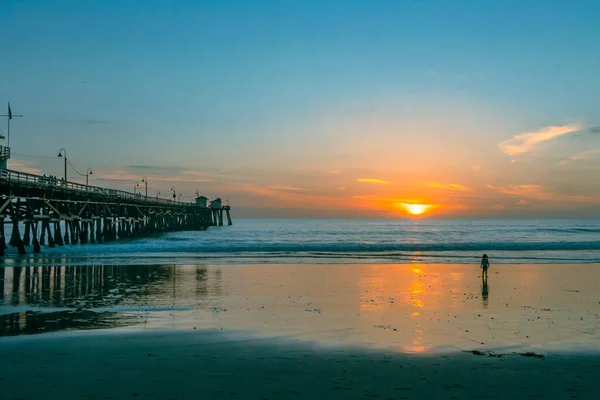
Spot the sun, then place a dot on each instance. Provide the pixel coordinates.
(415, 209)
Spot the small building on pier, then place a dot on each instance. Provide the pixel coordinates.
(216, 204)
(202, 201)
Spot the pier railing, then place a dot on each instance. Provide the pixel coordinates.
(39, 181)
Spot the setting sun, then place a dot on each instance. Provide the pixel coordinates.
(415, 209)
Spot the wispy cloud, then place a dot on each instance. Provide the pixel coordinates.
(293, 198)
(528, 191)
(92, 121)
(288, 188)
(24, 166)
(580, 156)
(452, 186)
(537, 192)
(154, 174)
(373, 180)
(595, 129)
(525, 142)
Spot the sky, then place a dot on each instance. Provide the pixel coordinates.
(350, 109)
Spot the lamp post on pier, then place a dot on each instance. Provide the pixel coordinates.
(63, 153)
(145, 180)
(135, 185)
(88, 172)
(174, 193)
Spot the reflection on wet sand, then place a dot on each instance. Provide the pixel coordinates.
(485, 292)
(409, 308)
(52, 298)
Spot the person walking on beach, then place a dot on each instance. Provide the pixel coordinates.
(485, 263)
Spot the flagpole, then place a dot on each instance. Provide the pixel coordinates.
(9, 116)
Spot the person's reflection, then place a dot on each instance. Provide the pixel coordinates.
(484, 291)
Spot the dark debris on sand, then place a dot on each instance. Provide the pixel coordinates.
(492, 354)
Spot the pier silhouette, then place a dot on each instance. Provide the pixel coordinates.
(57, 212)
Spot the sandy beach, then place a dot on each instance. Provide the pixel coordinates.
(214, 365)
(301, 331)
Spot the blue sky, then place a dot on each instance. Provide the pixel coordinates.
(254, 95)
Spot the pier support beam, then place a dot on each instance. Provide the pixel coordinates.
(58, 238)
(67, 232)
(26, 235)
(2, 238)
(36, 243)
(15, 238)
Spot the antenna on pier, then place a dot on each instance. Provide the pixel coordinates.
(5, 150)
(9, 116)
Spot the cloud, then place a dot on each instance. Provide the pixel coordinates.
(156, 169)
(154, 174)
(537, 192)
(529, 191)
(141, 167)
(288, 188)
(580, 156)
(452, 186)
(294, 198)
(96, 121)
(373, 180)
(525, 142)
(595, 129)
(24, 166)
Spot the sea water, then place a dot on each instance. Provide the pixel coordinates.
(251, 241)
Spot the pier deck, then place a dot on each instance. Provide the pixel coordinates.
(46, 207)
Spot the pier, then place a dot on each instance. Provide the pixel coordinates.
(55, 212)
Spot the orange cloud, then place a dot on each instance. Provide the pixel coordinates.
(373, 180)
(537, 192)
(295, 198)
(288, 188)
(580, 156)
(452, 186)
(525, 142)
(529, 191)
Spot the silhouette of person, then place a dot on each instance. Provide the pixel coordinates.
(485, 263)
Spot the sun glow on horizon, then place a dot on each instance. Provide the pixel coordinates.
(415, 209)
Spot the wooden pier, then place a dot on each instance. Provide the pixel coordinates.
(55, 212)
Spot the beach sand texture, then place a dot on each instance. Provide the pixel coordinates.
(315, 331)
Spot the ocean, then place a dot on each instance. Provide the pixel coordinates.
(338, 241)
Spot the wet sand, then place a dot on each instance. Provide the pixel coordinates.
(302, 331)
(217, 365)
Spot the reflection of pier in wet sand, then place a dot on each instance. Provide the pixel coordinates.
(53, 298)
